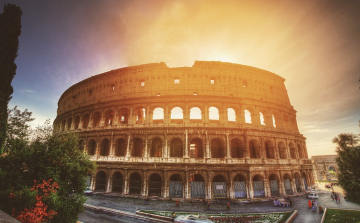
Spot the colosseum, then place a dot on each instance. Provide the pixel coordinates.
(214, 130)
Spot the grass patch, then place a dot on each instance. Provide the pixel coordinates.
(342, 216)
(219, 218)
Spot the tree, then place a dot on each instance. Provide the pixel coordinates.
(41, 156)
(10, 30)
(348, 151)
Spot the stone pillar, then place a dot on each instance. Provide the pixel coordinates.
(231, 186)
(102, 120)
(208, 186)
(92, 183)
(246, 146)
(126, 181)
(166, 154)
(281, 182)
(165, 184)
(108, 183)
(187, 186)
(207, 146)
(144, 191)
(167, 115)
(131, 116)
(186, 114)
(186, 144)
(227, 146)
(206, 113)
(240, 117)
(128, 147)
(146, 153)
(251, 188)
(148, 117)
(97, 153)
(112, 145)
(293, 183)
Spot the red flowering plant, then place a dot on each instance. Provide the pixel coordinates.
(36, 200)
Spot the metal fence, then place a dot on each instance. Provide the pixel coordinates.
(197, 189)
(219, 190)
(240, 189)
(176, 189)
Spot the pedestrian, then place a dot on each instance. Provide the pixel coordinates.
(177, 203)
(173, 215)
(309, 204)
(332, 197)
(335, 197)
(290, 202)
(338, 197)
(228, 206)
(208, 204)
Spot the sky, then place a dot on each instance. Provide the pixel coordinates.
(313, 44)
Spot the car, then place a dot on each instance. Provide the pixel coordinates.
(312, 195)
(191, 219)
(88, 191)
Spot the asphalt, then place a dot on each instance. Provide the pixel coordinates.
(305, 214)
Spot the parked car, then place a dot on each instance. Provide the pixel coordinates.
(88, 191)
(312, 195)
(191, 219)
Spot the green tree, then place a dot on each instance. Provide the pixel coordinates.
(348, 151)
(39, 156)
(10, 30)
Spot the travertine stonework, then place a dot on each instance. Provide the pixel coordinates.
(325, 167)
(213, 130)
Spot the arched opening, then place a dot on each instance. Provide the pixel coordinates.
(124, 116)
(86, 120)
(104, 147)
(177, 115)
(237, 149)
(269, 150)
(214, 113)
(100, 182)
(282, 150)
(219, 187)
(154, 185)
(258, 184)
(305, 180)
(301, 155)
(135, 183)
(332, 172)
(197, 186)
(196, 148)
(140, 116)
(156, 148)
(117, 182)
(109, 118)
(247, 116)
(63, 125)
(287, 184)
(240, 186)
(195, 113)
(292, 150)
(137, 150)
(120, 147)
(77, 122)
(217, 150)
(91, 147)
(273, 121)
(297, 182)
(274, 185)
(158, 114)
(254, 149)
(262, 119)
(69, 123)
(176, 186)
(96, 119)
(176, 148)
(231, 115)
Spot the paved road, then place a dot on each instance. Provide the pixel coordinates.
(98, 217)
(299, 204)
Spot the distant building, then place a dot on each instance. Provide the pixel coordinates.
(324, 167)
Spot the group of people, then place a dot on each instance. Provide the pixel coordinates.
(336, 197)
(312, 204)
(286, 203)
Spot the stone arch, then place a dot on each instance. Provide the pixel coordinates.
(258, 185)
(217, 148)
(292, 150)
(287, 184)
(297, 182)
(91, 147)
(177, 113)
(77, 122)
(100, 181)
(301, 155)
(155, 185)
(117, 182)
(105, 147)
(120, 147)
(240, 187)
(138, 148)
(109, 118)
(96, 119)
(219, 186)
(274, 185)
(197, 183)
(247, 115)
(269, 150)
(69, 122)
(134, 183)
(237, 148)
(231, 115)
(156, 148)
(195, 113)
(63, 125)
(158, 113)
(86, 120)
(282, 150)
(254, 149)
(176, 186)
(214, 113)
(140, 115)
(176, 148)
(124, 116)
(196, 148)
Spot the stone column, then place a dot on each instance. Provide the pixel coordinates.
(112, 145)
(231, 187)
(206, 113)
(166, 154)
(145, 190)
(108, 183)
(128, 147)
(187, 186)
(207, 147)
(126, 181)
(165, 184)
(208, 186)
(131, 116)
(281, 182)
(186, 144)
(240, 117)
(146, 153)
(227, 146)
(167, 115)
(148, 117)
(251, 188)
(97, 153)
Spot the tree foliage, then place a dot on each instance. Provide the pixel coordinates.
(348, 162)
(10, 30)
(39, 155)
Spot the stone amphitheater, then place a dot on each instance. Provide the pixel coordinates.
(214, 130)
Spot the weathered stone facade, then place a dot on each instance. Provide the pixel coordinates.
(324, 167)
(213, 130)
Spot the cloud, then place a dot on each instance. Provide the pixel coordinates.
(26, 91)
